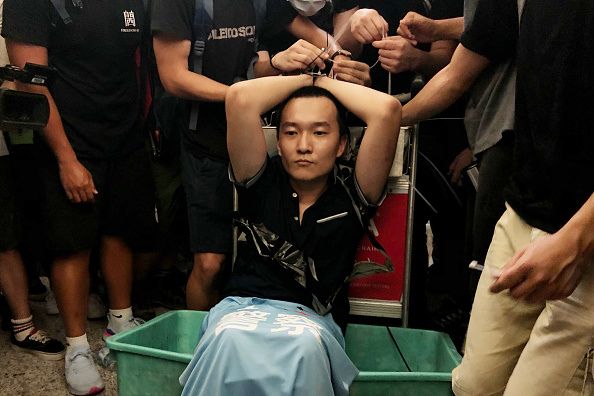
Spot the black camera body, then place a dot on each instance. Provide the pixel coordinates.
(24, 110)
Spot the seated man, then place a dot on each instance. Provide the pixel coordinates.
(275, 333)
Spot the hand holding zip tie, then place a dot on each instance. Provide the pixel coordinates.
(351, 71)
(300, 56)
(367, 26)
(418, 28)
(397, 54)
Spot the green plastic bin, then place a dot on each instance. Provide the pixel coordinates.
(150, 358)
(402, 362)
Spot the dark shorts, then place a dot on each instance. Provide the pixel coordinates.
(124, 207)
(209, 195)
(11, 218)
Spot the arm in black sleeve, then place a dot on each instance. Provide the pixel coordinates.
(27, 21)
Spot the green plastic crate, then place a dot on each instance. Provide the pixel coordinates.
(151, 358)
(403, 362)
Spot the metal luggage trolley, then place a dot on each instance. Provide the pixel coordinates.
(381, 295)
(386, 295)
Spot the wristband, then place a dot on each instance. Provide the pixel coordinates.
(271, 65)
(341, 52)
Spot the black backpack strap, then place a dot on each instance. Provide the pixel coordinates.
(201, 28)
(60, 6)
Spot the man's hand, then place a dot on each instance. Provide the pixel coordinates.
(461, 161)
(351, 71)
(77, 182)
(397, 54)
(549, 268)
(367, 25)
(298, 57)
(417, 28)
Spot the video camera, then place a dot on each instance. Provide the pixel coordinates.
(24, 110)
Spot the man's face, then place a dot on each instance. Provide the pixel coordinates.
(309, 140)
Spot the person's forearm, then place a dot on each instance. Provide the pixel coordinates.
(580, 227)
(262, 94)
(189, 85)
(449, 29)
(367, 104)
(303, 28)
(436, 96)
(343, 35)
(446, 87)
(171, 54)
(431, 62)
(263, 67)
(53, 133)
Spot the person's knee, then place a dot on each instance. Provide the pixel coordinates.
(207, 266)
(467, 381)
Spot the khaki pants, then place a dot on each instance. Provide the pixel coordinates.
(518, 349)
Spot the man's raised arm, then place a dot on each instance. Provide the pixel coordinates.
(382, 114)
(244, 103)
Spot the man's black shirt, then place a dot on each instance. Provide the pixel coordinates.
(96, 89)
(554, 155)
(329, 233)
(227, 56)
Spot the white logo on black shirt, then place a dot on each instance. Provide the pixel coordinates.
(129, 19)
(231, 33)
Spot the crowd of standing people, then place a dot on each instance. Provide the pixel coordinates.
(154, 116)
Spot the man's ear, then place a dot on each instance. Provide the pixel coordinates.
(278, 149)
(342, 145)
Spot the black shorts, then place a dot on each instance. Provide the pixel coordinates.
(209, 195)
(124, 206)
(170, 197)
(11, 215)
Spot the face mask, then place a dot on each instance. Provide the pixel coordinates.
(308, 8)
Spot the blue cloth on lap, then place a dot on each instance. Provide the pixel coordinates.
(254, 346)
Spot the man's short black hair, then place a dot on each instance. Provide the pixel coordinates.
(312, 91)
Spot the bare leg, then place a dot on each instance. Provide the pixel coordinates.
(202, 290)
(145, 264)
(70, 283)
(13, 282)
(116, 266)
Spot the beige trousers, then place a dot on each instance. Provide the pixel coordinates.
(518, 349)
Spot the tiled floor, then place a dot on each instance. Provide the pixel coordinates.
(25, 375)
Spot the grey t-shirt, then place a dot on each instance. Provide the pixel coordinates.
(491, 105)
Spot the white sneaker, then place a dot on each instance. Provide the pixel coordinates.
(113, 328)
(51, 307)
(82, 376)
(97, 309)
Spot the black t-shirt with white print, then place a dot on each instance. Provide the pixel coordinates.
(96, 89)
(228, 52)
